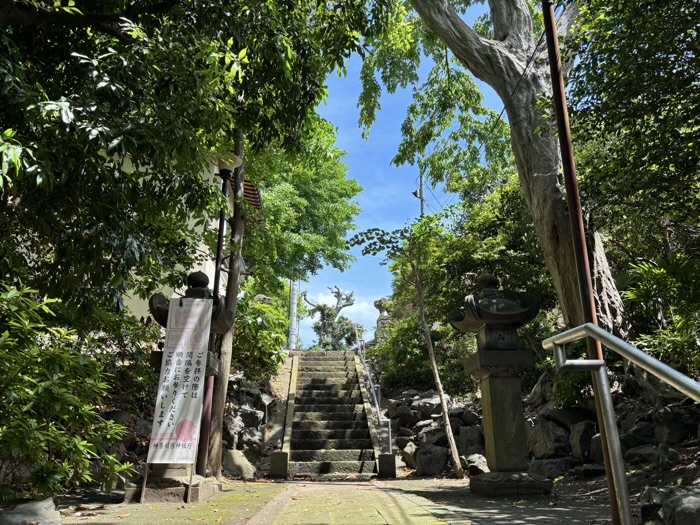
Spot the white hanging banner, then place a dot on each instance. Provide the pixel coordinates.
(178, 411)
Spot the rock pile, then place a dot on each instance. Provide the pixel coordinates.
(565, 438)
(419, 430)
(560, 441)
(244, 433)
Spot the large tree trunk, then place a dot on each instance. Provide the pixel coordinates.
(235, 269)
(500, 63)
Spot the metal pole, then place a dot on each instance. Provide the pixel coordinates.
(293, 299)
(225, 178)
(573, 200)
(421, 197)
(203, 450)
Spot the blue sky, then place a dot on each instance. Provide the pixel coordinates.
(387, 201)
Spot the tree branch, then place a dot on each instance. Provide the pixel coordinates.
(512, 23)
(479, 54)
(14, 14)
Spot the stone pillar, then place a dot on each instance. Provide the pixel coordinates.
(499, 361)
(504, 424)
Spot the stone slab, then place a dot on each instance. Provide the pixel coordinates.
(279, 464)
(386, 466)
(509, 484)
(173, 490)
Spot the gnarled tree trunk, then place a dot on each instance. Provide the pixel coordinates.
(504, 64)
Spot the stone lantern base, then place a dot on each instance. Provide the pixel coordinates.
(510, 484)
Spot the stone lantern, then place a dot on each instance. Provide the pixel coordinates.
(499, 362)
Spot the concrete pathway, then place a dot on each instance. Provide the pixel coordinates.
(398, 502)
(415, 502)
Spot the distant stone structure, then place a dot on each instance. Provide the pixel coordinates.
(499, 363)
(381, 332)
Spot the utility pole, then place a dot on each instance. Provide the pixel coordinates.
(293, 300)
(583, 268)
(419, 195)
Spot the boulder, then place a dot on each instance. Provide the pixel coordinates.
(408, 395)
(264, 403)
(406, 416)
(542, 391)
(632, 417)
(470, 440)
(405, 432)
(641, 433)
(671, 505)
(248, 387)
(392, 407)
(456, 412)
(671, 427)
(41, 512)
(143, 427)
(469, 417)
(431, 460)
(549, 440)
(251, 440)
(409, 455)
(475, 464)
(251, 418)
(553, 467)
(237, 465)
(455, 425)
(120, 417)
(421, 425)
(428, 403)
(232, 427)
(567, 417)
(580, 439)
(402, 441)
(431, 436)
(649, 454)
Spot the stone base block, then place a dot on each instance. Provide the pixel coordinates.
(386, 466)
(509, 484)
(173, 490)
(279, 464)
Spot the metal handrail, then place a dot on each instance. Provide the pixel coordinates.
(372, 387)
(664, 372)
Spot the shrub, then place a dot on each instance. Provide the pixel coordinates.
(50, 430)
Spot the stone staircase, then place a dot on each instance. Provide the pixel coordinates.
(331, 433)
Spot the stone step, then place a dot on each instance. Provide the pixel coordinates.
(326, 355)
(357, 433)
(325, 409)
(315, 393)
(327, 362)
(330, 467)
(331, 374)
(330, 416)
(329, 400)
(336, 477)
(305, 369)
(327, 383)
(330, 425)
(316, 444)
(332, 455)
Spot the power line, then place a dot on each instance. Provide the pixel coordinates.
(435, 197)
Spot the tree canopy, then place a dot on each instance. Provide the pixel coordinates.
(111, 112)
